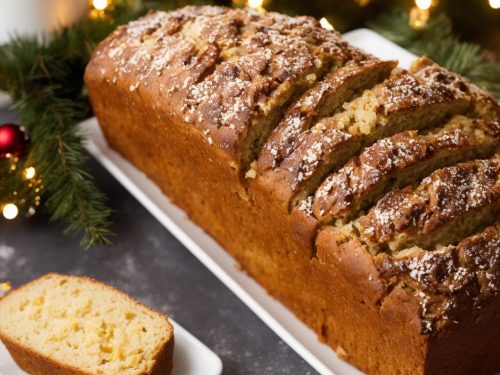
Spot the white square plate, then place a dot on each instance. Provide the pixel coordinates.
(191, 357)
(212, 255)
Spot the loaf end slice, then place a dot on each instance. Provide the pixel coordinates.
(75, 325)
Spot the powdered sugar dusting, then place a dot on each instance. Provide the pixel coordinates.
(345, 192)
(444, 196)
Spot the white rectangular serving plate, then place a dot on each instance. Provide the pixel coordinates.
(191, 357)
(296, 334)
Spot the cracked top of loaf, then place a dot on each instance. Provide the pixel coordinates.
(226, 70)
(403, 162)
(450, 279)
(437, 210)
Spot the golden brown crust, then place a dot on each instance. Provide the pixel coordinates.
(321, 100)
(438, 281)
(443, 278)
(37, 363)
(406, 92)
(325, 275)
(396, 162)
(401, 102)
(446, 206)
(313, 158)
(226, 69)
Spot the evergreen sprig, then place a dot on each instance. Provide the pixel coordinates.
(438, 42)
(45, 80)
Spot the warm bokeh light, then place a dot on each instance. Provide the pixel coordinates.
(363, 3)
(325, 24)
(423, 4)
(4, 287)
(495, 4)
(29, 173)
(100, 4)
(418, 18)
(256, 4)
(10, 211)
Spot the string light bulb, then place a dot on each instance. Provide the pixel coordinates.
(423, 4)
(495, 4)
(420, 13)
(10, 211)
(29, 173)
(5, 287)
(255, 4)
(363, 3)
(100, 4)
(418, 17)
(325, 24)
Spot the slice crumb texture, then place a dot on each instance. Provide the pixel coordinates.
(85, 325)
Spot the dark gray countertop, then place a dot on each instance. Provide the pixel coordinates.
(147, 262)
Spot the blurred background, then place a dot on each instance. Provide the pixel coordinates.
(472, 20)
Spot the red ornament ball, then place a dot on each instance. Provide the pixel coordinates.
(13, 139)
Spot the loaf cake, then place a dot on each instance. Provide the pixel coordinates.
(75, 325)
(363, 196)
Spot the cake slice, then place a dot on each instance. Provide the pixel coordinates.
(321, 100)
(398, 161)
(75, 325)
(402, 102)
(449, 204)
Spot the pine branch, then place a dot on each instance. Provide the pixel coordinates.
(57, 149)
(437, 42)
(45, 81)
